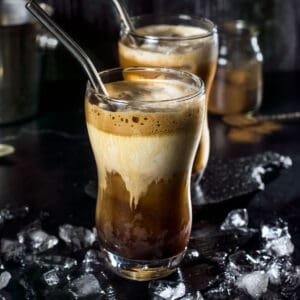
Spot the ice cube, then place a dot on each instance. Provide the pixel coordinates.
(255, 283)
(57, 262)
(167, 289)
(77, 237)
(280, 247)
(193, 296)
(277, 240)
(274, 273)
(191, 256)
(12, 250)
(85, 285)
(222, 291)
(275, 230)
(51, 277)
(236, 219)
(290, 279)
(220, 258)
(240, 263)
(92, 259)
(7, 214)
(36, 239)
(4, 279)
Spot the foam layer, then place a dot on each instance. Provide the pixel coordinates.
(145, 91)
(164, 118)
(144, 147)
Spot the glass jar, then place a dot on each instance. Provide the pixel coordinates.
(237, 87)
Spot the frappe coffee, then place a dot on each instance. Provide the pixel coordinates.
(144, 154)
(184, 47)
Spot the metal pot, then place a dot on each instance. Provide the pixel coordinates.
(20, 61)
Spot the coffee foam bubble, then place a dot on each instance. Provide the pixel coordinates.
(141, 146)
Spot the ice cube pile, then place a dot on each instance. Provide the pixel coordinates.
(67, 263)
(267, 272)
(42, 265)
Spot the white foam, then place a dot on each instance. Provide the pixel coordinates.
(142, 160)
(143, 91)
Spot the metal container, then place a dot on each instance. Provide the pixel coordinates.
(20, 62)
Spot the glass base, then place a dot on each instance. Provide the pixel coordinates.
(142, 270)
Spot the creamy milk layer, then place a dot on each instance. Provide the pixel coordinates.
(186, 54)
(141, 146)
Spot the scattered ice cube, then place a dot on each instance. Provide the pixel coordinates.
(220, 258)
(51, 277)
(7, 214)
(222, 291)
(38, 240)
(77, 237)
(236, 219)
(167, 289)
(92, 259)
(193, 296)
(281, 247)
(191, 256)
(255, 283)
(275, 230)
(274, 273)
(86, 285)
(56, 262)
(12, 250)
(290, 279)
(277, 240)
(240, 263)
(4, 279)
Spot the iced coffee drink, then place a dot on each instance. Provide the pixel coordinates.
(144, 138)
(179, 42)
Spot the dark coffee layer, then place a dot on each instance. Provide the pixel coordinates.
(157, 228)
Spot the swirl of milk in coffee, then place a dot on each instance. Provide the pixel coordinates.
(145, 146)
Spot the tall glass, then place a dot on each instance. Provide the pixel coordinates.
(144, 137)
(181, 42)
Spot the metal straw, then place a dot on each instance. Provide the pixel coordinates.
(121, 8)
(124, 15)
(69, 43)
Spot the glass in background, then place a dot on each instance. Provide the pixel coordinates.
(175, 41)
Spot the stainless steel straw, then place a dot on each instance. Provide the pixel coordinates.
(121, 8)
(70, 44)
(124, 15)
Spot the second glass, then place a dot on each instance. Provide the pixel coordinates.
(175, 41)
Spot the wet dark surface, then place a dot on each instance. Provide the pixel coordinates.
(53, 164)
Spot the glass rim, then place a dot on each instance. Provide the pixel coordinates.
(237, 27)
(113, 100)
(184, 17)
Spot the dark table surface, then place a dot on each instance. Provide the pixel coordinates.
(53, 163)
